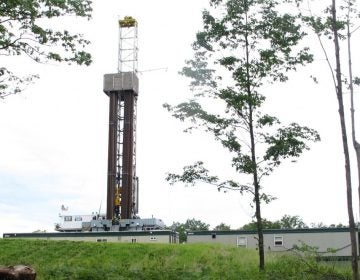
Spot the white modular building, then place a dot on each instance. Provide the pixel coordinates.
(155, 236)
(327, 241)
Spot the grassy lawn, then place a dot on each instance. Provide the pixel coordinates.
(88, 260)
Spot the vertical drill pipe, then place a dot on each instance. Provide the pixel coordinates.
(127, 207)
(111, 180)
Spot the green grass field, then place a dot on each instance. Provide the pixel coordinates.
(88, 260)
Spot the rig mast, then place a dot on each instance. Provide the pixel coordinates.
(122, 89)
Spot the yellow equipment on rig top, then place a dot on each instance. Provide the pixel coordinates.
(127, 22)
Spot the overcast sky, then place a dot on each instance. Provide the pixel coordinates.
(53, 144)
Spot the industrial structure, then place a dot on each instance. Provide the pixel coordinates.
(122, 89)
(157, 236)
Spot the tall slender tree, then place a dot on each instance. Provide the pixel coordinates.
(24, 31)
(244, 45)
(330, 26)
(339, 95)
(351, 10)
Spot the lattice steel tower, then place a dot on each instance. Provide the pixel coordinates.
(122, 89)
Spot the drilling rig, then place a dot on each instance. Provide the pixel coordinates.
(122, 88)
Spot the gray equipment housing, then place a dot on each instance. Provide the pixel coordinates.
(123, 81)
(126, 225)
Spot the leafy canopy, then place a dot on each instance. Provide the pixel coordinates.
(241, 49)
(222, 227)
(286, 222)
(24, 31)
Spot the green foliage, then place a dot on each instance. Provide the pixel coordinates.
(222, 226)
(197, 172)
(189, 225)
(193, 173)
(356, 81)
(288, 221)
(323, 25)
(266, 38)
(57, 260)
(310, 257)
(288, 142)
(249, 44)
(291, 267)
(12, 84)
(193, 224)
(24, 31)
(265, 223)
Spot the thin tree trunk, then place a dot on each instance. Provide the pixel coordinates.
(259, 225)
(257, 195)
(253, 160)
(352, 109)
(339, 93)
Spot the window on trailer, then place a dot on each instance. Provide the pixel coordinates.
(278, 241)
(241, 241)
